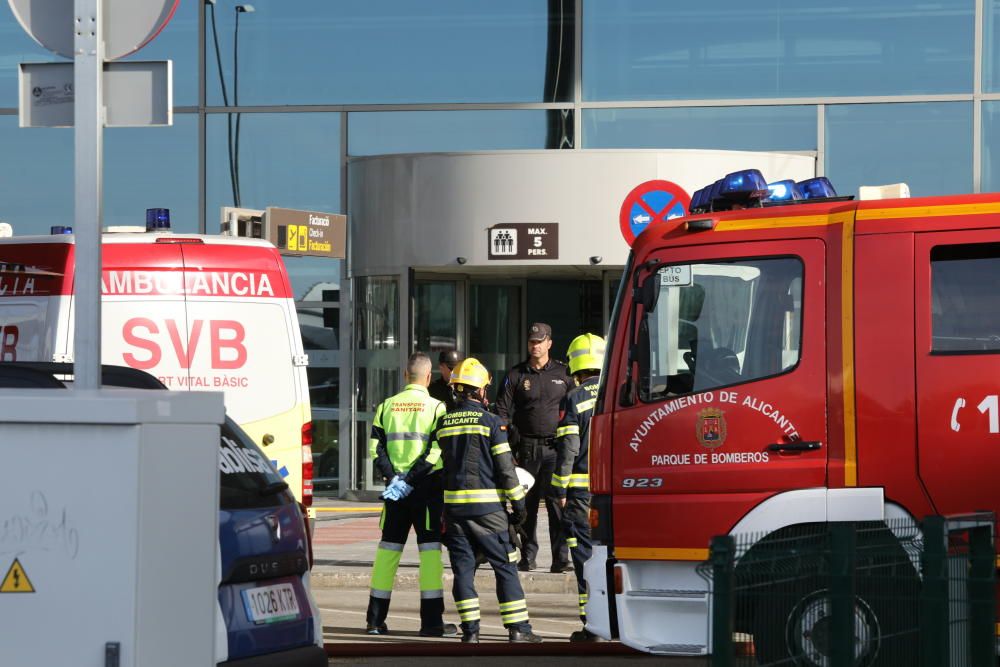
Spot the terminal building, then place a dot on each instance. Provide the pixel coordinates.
(489, 155)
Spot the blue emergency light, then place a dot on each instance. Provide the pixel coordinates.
(742, 185)
(698, 204)
(817, 188)
(787, 190)
(712, 194)
(157, 219)
(60, 229)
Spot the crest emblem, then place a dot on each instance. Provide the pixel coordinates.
(711, 428)
(527, 384)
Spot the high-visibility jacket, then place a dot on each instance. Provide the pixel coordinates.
(573, 439)
(401, 442)
(478, 465)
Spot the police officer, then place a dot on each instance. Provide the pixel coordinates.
(440, 389)
(529, 400)
(410, 464)
(478, 478)
(571, 480)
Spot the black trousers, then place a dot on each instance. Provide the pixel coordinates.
(488, 535)
(421, 510)
(540, 461)
(576, 523)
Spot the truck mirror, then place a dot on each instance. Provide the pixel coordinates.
(649, 292)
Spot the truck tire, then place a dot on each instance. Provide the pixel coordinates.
(791, 621)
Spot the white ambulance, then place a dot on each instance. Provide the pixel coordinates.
(202, 313)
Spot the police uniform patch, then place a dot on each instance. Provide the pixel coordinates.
(710, 428)
(527, 384)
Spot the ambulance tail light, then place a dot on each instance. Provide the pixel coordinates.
(307, 465)
(157, 219)
(817, 188)
(309, 537)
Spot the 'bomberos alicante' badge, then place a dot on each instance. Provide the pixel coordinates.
(711, 428)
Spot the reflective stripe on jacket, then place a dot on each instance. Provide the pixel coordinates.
(573, 439)
(478, 465)
(401, 442)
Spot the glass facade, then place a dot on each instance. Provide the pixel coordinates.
(880, 92)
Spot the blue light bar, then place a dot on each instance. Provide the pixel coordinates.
(698, 201)
(786, 190)
(817, 188)
(713, 194)
(746, 184)
(157, 219)
(60, 229)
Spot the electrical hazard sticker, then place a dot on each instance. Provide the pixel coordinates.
(16, 580)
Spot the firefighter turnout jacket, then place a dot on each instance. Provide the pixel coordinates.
(479, 467)
(573, 440)
(401, 442)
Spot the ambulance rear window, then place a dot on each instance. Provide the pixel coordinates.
(965, 302)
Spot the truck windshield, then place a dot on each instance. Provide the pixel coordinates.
(721, 323)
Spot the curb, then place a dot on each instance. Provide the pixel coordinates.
(358, 577)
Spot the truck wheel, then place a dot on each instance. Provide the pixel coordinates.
(792, 623)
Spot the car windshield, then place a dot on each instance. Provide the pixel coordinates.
(247, 478)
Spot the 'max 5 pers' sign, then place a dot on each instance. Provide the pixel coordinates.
(307, 232)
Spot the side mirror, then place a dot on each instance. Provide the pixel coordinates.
(649, 292)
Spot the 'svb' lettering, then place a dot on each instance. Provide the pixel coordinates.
(226, 339)
(8, 342)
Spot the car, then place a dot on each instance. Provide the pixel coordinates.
(266, 612)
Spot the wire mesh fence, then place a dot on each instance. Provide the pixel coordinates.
(856, 594)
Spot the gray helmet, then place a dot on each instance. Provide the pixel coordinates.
(450, 358)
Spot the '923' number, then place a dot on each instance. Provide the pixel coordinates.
(642, 482)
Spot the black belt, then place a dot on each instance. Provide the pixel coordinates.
(549, 441)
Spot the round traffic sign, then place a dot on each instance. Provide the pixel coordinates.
(650, 202)
(129, 25)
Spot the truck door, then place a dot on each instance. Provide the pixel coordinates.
(730, 400)
(958, 367)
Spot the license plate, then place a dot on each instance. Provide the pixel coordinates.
(271, 604)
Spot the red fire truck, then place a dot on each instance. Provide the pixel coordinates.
(787, 363)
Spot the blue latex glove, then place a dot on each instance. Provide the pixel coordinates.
(392, 491)
(404, 488)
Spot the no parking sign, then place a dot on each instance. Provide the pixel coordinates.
(649, 202)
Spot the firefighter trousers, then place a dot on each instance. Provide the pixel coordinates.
(421, 510)
(576, 524)
(489, 535)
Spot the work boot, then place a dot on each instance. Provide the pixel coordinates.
(561, 567)
(584, 636)
(446, 630)
(526, 565)
(470, 637)
(524, 636)
(378, 629)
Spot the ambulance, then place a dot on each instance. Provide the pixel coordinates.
(201, 313)
(780, 358)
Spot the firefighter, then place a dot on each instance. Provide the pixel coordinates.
(479, 477)
(529, 400)
(571, 480)
(410, 464)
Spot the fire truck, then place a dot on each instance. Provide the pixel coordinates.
(785, 357)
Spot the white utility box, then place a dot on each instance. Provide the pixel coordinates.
(109, 512)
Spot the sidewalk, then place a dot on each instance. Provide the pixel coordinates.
(347, 534)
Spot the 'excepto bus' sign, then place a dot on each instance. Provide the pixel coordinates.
(307, 233)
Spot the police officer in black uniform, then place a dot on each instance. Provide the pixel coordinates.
(529, 401)
(440, 388)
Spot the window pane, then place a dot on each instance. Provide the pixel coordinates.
(991, 147)
(357, 51)
(326, 457)
(926, 145)
(965, 304)
(720, 324)
(143, 168)
(991, 46)
(382, 133)
(723, 128)
(649, 49)
(435, 319)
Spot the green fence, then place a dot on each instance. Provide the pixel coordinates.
(857, 594)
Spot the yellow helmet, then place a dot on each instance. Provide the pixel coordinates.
(586, 352)
(470, 373)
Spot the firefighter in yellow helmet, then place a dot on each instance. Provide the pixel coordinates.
(479, 478)
(571, 479)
